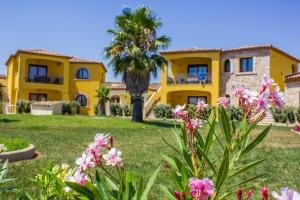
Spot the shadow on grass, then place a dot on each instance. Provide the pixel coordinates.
(164, 124)
(4, 120)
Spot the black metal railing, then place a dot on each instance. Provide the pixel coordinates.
(45, 79)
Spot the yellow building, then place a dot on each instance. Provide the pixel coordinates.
(206, 74)
(40, 75)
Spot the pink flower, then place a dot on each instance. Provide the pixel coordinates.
(286, 194)
(86, 161)
(249, 194)
(262, 102)
(193, 124)
(113, 158)
(179, 196)
(266, 83)
(277, 97)
(239, 194)
(78, 177)
(224, 101)
(201, 106)
(250, 96)
(239, 91)
(201, 189)
(179, 111)
(265, 193)
(101, 140)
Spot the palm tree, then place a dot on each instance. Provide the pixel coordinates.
(133, 53)
(103, 96)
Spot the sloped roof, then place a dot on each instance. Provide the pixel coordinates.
(2, 76)
(44, 52)
(243, 48)
(292, 77)
(122, 86)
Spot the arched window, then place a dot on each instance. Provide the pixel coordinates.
(227, 66)
(81, 99)
(82, 73)
(115, 99)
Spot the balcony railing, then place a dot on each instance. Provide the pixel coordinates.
(181, 79)
(45, 79)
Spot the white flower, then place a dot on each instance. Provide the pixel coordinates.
(113, 158)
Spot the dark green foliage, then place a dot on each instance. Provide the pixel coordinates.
(116, 109)
(284, 115)
(162, 111)
(192, 110)
(23, 106)
(298, 114)
(71, 108)
(235, 113)
(204, 115)
(127, 111)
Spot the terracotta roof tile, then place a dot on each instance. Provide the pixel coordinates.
(42, 52)
(80, 60)
(2, 76)
(243, 48)
(292, 77)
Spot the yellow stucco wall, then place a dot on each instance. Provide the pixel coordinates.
(280, 66)
(58, 67)
(178, 93)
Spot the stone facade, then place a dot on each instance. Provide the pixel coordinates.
(252, 80)
(292, 93)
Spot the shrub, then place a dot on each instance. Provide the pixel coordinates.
(235, 113)
(192, 108)
(279, 115)
(71, 108)
(127, 111)
(290, 114)
(23, 106)
(2, 107)
(298, 114)
(162, 111)
(97, 109)
(116, 109)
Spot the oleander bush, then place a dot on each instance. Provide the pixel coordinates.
(284, 115)
(297, 114)
(162, 111)
(116, 109)
(290, 111)
(127, 111)
(235, 113)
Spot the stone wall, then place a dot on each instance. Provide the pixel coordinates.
(292, 93)
(252, 80)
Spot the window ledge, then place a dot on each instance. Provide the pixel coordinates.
(228, 73)
(78, 79)
(245, 73)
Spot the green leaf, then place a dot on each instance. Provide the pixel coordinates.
(177, 139)
(208, 161)
(139, 190)
(246, 167)
(247, 180)
(223, 171)
(4, 170)
(210, 136)
(81, 190)
(225, 124)
(167, 192)
(150, 184)
(112, 185)
(257, 140)
(92, 188)
(170, 161)
(172, 146)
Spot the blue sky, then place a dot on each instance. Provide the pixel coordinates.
(78, 28)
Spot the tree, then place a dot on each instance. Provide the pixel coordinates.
(133, 53)
(103, 95)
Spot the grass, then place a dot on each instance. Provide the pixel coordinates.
(13, 144)
(60, 139)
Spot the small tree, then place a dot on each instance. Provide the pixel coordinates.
(103, 95)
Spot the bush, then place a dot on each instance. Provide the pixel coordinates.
(127, 111)
(71, 108)
(290, 114)
(298, 114)
(97, 109)
(162, 111)
(2, 107)
(279, 115)
(23, 106)
(192, 108)
(116, 109)
(235, 113)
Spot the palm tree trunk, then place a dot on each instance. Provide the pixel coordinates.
(137, 111)
(102, 108)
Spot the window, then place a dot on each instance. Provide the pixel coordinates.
(115, 99)
(227, 66)
(197, 70)
(37, 73)
(82, 100)
(37, 97)
(82, 74)
(196, 99)
(246, 65)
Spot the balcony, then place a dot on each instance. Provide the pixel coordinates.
(188, 79)
(45, 80)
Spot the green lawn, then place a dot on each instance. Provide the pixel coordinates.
(61, 139)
